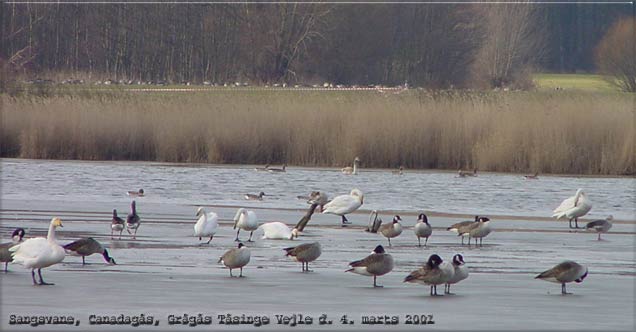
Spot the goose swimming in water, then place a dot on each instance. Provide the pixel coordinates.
(463, 174)
(135, 193)
(377, 264)
(245, 220)
(431, 274)
(262, 169)
(399, 171)
(422, 229)
(352, 170)
(600, 226)
(534, 176)
(206, 225)
(573, 208)
(5, 255)
(253, 197)
(236, 258)
(278, 170)
(86, 247)
(565, 272)
(345, 204)
(277, 230)
(476, 230)
(132, 220)
(461, 273)
(304, 253)
(117, 225)
(38, 253)
(393, 229)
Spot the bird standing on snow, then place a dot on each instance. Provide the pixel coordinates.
(377, 264)
(422, 229)
(345, 204)
(600, 226)
(573, 208)
(38, 253)
(461, 273)
(393, 229)
(86, 247)
(206, 225)
(117, 225)
(245, 220)
(304, 253)
(236, 258)
(563, 273)
(5, 254)
(132, 220)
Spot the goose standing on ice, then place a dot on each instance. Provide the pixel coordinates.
(277, 230)
(278, 170)
(345, 204)
(461, 273)
(374, 222)
(117, 224)
(206, 225)
(5, 255)
(563, 273)
(600, 226)
(236, 258)
(393, 229)
(304, 253)
(86, 247)
(476, 230)
(38, 253)
(433, 273)
(352, 170)
(422, 229)
(245, 220)
(573, 208)
(253, 197)
(456, 226)
(135, 193)
(377, 264)
(132, 220)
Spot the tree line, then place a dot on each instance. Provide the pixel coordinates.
(454, 45)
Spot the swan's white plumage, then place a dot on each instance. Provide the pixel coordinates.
(245, 220)
(39, 252)
(207, 224)
(573, 207)
(345, 204)
(277, 231)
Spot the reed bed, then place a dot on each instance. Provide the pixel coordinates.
(546, 132)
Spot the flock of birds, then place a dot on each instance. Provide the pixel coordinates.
(37, 253)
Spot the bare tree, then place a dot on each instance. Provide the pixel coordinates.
(513, 42)
(616, 54)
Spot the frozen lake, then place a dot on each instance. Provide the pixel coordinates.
(166, 272)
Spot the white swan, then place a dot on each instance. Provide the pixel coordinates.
(245, 220)
(207, 224)
(38, 253)
(278, 231)
(573, 208)
(345, 204)
(352, 170)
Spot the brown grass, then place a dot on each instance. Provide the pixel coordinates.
(580, 133)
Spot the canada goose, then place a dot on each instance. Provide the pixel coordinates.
(393, 229)
(206, 225)
(455, 227)
(245, 220)
(377, 264)
(5, 255)
(236, 258)
(532, 176)
(38, 253)
(573, 208)
(476, 230)
(461, 272)
(422, 229)
(86, 247)
(278, 231)
(278, 170)
(563, 273)
(117, 225)
(253, 197)
(345, 204)
(352, 170)
(600, 226)
(262, 169)
(432, 274)
(135, 193)
(374, 222)
(132, 220)
(462, 174)
(304, 253)
(399, 171)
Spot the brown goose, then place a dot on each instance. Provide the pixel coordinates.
(117, 225)
(455, 227)
(86, 247)
(476, 230)
(393, 229)
(253, 197)
(377, 264)
(132, 220)
(600, 226)
(563, 273)
(236, 258)
(304, 253)
(5, 255)
(431, 274)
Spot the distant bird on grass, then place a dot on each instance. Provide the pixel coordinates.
(86, 247)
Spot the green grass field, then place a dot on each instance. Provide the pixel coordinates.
(580, 82)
